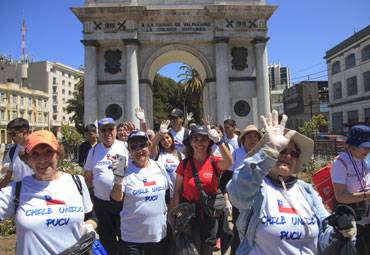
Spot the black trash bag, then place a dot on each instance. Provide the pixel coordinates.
(341, 219)
(184, 244)
(82, 247)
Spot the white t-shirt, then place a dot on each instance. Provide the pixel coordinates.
(178, 138)
(280, 230)
(233, 141)
(19, 167)
(216, 150)
(98, 162)
(238, 157)
(144, 213)
(50, 213)
(170, 162)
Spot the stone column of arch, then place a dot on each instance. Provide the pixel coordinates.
(262, 76)
(222, 78)
(146, 101)
(132, 80)
(91, 104)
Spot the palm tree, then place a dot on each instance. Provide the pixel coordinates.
(192, 89)
(75, 105)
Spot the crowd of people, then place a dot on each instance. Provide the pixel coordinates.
(134, 181)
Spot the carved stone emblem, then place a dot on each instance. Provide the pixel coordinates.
(239, 55)
(112, 64)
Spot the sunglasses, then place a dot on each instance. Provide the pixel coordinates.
(172, 118)
(292, 153)
(135, 146)
(103, 130)
(12, 134)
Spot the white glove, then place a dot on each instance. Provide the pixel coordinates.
(228, 208)
(350, 232)
(139, 113)
(86, 228)
(2, 150)
(189, 117)
(163, 128)
(274, 132)
(117, 179)
(213, 134)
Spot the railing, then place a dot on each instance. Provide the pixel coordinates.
(328, 149)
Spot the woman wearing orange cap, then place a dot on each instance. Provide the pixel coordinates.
(51, 203)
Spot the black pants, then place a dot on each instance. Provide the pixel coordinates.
(143, 248)
(109, 225)
(363, 239)
(236, 241)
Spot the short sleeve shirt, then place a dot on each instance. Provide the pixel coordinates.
(19, 167)
(206, 175)
(178, 138)
(233, 141)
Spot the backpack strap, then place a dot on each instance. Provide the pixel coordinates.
(186, 133)
(12, 152)
(157, 156)
(18, 186)
(77, 180)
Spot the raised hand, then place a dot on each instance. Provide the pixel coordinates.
(188, 118)
(207, 121)
(274, 132)
(163, 128)
(139, 113)
(128, 127)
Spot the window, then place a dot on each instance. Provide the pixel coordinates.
(353, 116)
(69, 93)
(352, 86)
(365, 53)
(14, 114)
(62, 73)
(54, 117)
(39, 102)
(54, 89)
(30, 102)
(69, 84)
(2, 114)
(54, 99)
(21, 114)
(39, 119)
(46, 120)
(63, 91)
(54, 80)
(22, 100)
(367, 81)
(69, 75)
(335, 67)
(63, 82)
(2, 97)
(14, 99)
(30, 116)
(10, 80)
(337, 119)
(337, 90)
(350, 60)
(367, 114)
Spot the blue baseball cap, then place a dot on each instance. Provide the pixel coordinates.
(136, 134)
(106, 121)
(359, 136)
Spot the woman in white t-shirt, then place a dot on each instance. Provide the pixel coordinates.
(350, 175)
(142, 186)
(54, 209)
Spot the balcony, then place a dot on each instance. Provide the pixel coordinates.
(3, 122)
(22, 107)
(13, 105)
(3, 104)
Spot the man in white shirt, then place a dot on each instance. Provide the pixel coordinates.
(178, 132)
(230, 137)
(98, 173)
(18, 131)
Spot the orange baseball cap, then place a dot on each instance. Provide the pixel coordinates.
(40, 137)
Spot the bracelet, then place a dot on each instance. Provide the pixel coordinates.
(365, 195)
(220, 142)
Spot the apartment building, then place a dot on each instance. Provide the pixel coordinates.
(348, 66)
(279, 79)
(29, 104)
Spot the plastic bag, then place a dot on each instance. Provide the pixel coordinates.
(87, 245)
(342, 246)
(185, 244)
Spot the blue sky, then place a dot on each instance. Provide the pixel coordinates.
(301, 31)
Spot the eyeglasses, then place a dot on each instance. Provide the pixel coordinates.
(12, 134)
(103, 130)
(135, 146)
(292, 153)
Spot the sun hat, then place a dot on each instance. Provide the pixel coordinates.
(304, 144)
(40, 137)
(106, 121)
(202, 130)
(176, 113)
(359, 136)
(248, 129)
(136, 134)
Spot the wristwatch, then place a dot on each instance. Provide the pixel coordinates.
(220, 142)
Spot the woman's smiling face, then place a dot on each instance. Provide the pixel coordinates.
(43, 161)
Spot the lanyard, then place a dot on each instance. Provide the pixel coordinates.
(360, 177)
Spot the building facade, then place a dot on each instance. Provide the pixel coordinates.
(127, 42)
(348, 65)
(56, 80)
(279, 77)
(304, 100)
(15, 101)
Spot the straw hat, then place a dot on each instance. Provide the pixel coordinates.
(304, 144)
(248, 129)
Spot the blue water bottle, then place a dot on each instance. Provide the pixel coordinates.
(98, 248)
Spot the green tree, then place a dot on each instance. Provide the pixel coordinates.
(70, 140)
(192, 85)
(316, 124)
(75, 105)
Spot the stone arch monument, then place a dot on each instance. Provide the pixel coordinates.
(128, 41)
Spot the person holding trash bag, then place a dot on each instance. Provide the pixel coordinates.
(350, 176)
(142, 188)
(51, 214)
(198, 152)
(279, 214)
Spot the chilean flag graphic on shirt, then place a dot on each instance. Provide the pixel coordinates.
(283, 209)
(147, 184)
(169, 161)
(50, 201)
